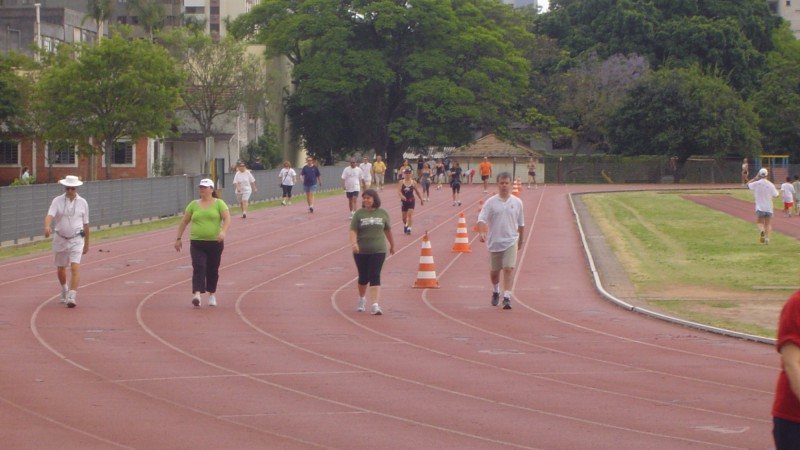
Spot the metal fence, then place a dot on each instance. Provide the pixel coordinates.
(23, 208)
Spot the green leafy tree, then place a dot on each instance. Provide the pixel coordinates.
(265, 147)
(725, 37)
(388, 75)
(150, 15)
(681, 113)
(778, 100)
(12, 91)
(115, 89)
(593, 89)
(222, 77)
(99, 11)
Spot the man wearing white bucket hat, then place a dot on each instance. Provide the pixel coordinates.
(763, 193)
(70, 214)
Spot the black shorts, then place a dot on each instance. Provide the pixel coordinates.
(484, 177)
(405, 206)
(353, 194)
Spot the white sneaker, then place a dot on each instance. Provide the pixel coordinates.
(212, 301)
(376, 309)
(196, 300)
(362, 303)
(64, 295)
(71, 303)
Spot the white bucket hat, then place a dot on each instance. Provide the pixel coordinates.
(71, 181)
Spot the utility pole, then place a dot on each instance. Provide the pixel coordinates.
(38, 7)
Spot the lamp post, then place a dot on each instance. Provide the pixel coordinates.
(38, 7)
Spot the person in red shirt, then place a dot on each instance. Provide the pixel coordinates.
(485, 169)
(786, 407)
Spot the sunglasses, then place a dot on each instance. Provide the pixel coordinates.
(70, 188)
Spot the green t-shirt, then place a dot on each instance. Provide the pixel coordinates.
(369, 227)
(206, 223)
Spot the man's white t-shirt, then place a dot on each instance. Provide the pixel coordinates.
(69, 217)
(763, 193)
(352, 177)
(504, 217)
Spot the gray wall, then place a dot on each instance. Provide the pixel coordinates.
(22, 208)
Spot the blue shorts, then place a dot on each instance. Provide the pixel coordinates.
(312, 188)
(763, 214)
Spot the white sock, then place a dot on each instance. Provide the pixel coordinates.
(497, 288)
(506, 294)
(71, 294)
(64, 289)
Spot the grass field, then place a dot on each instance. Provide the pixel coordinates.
(698, 263)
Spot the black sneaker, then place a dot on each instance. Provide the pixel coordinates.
(495, 298)
(506, 303)
(310, 209)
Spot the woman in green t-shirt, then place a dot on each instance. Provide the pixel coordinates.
(369, 231)
(210, 220)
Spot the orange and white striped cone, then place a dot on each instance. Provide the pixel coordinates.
(426, 276)
(461, 244)
(476, 228)
(515, 189)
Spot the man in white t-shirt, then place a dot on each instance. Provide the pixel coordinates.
(366, 170)
(763, 193)
(351, 183)
(68, 221)
(503, 215)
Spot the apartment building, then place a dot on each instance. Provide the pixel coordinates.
(209, 13)
(789, 10)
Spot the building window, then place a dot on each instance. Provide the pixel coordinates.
(195, 10)
(9, 152)
(61, 154)
(122, 153)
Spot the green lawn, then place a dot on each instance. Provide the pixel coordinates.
(696, 262)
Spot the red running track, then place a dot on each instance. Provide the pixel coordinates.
(284, 361)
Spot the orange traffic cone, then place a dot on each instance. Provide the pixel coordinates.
(476, 228)
(426, 276)
(462, 238)
(515, 189)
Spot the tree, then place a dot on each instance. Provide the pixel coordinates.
(592, 90)
(723, 36)
(681, 113)
(778, 100)
(99, 11)
(150, 15)
(389, 75)
(221, 78)
(115, 89)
